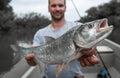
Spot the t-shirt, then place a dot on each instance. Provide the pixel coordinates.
(39, 39)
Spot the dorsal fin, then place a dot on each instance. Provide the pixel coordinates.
(49, 39)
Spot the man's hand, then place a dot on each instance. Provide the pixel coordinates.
(30, 59)
(89, 57)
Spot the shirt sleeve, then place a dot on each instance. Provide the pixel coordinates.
(38, 39)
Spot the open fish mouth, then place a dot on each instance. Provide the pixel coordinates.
(103, 26)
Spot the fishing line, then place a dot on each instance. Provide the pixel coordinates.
(76, 8)
(104, 64)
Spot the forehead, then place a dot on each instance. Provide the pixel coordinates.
(56, 1)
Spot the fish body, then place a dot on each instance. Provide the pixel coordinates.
(55, 51)
(67, 47)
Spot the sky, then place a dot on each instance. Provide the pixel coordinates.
(21, 7)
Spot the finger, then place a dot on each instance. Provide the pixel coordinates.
(84, 62)
(80, 59)
(30, 56)
(32, 63)
(89, 52)
(93, 59)
(87, 62)
(30, 59)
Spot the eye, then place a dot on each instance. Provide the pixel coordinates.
(53, 5)
(61, 5)
(90, 26)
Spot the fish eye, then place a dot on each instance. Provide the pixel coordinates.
(90, 26)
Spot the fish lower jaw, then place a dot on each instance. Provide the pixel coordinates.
(105, 29)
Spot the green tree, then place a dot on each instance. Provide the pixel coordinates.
(6, 21)
(27, 25)
(4, 4)
(6, 16)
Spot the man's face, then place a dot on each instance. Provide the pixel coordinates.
(57, 9)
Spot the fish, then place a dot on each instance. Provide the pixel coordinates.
(63, 50)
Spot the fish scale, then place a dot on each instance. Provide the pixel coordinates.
(66, 48)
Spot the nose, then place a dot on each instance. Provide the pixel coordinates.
(57, 8)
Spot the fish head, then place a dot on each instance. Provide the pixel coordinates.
(89, 34)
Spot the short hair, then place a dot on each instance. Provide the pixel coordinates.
(64, 2)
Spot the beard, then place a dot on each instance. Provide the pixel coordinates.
(57, 18)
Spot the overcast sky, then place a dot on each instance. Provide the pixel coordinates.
(21, 7)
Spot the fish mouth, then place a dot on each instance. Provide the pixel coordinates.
(103, 26)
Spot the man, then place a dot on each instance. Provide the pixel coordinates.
(57, 28)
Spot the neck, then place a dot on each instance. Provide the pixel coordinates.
(58, 24)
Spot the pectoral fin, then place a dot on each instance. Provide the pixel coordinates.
(66, 66)
(59, 69)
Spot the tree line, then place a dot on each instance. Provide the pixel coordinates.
(11, 24)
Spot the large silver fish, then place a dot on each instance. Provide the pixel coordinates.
(66, 48)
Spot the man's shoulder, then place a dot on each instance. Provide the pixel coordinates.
(42, 30)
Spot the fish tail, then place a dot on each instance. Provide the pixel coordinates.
(17, 55)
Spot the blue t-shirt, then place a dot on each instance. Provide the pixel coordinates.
(51, 69)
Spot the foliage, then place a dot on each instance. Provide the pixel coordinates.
(6, 16)
(6, 21)
(4, 4)
(32, 20)
(26, 26)
(9, 23)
